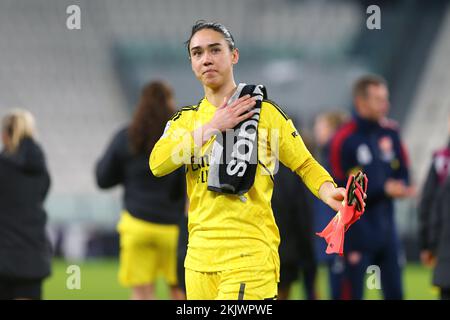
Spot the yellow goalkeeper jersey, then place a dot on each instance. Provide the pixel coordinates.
(230, 231)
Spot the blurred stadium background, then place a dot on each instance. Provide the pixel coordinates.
(82, 86)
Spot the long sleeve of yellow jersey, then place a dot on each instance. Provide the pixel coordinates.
(176, 145)
(292, 151)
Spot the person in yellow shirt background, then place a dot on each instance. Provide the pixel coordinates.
(152, 207)
(233, 239)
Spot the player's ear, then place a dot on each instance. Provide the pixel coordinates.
(358, 102)
(192, 66)
(5, 138)
(235, 56)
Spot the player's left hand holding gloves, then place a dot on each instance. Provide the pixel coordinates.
(352, 209)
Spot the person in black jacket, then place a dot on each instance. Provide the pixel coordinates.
(25, 252)
(183, 239)
(292, 208)
(152, 206)
(434, 220)
(440, 241)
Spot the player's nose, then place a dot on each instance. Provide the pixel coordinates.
(207, 59)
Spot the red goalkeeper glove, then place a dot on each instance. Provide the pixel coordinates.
(356, 197)
(351, 211)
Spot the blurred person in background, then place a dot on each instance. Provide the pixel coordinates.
(183, 239)
(326, 125)
(25, 252)
(153, 206)
(370, 142)
(292, 208)
(434, 219)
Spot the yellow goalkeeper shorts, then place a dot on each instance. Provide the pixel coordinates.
(252, 283)
(147, 250)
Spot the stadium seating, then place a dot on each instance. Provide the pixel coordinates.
(427, 124)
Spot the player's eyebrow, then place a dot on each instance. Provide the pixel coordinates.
(209, 46)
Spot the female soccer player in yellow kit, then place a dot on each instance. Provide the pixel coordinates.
(233, 240)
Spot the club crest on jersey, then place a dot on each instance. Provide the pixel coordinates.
(363, 155)
(386, 147)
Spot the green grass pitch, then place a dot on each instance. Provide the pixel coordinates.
(99, 281)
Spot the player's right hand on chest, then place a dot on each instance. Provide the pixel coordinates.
(228, 116)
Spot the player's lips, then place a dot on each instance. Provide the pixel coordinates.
(210, 71)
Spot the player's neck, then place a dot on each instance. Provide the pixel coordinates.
(216, 95)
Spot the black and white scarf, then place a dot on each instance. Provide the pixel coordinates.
(234, 155)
